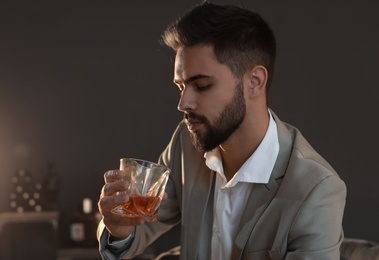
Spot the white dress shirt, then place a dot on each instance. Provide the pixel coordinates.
(230, 197)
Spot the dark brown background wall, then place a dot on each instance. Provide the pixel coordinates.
(84, 83)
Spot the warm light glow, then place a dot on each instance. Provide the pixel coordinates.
(22, 151)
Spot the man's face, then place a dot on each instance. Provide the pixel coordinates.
(212, 99)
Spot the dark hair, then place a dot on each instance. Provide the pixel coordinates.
(240, 38)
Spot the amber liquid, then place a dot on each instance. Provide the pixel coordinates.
(145, 207)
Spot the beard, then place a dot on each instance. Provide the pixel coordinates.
(224, 126)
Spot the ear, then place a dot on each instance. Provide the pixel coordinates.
(256, 81)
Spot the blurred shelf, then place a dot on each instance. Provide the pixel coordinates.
(36, 233)
(93, 254)
(78, 254)
(28, 217)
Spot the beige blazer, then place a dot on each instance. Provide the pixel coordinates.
(297, 215)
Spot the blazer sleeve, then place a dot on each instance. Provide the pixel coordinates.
(169, 213)
(317, 231)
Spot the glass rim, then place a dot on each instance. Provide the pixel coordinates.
(144, 162)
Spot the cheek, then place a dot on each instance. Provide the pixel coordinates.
(212, 107)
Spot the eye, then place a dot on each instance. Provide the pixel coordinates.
(202, 87)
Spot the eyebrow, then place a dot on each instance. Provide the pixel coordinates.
(191, 79)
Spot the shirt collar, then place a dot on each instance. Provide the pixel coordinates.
(256, 169)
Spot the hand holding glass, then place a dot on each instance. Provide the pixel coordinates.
(147, 184)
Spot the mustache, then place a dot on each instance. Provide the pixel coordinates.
(194, 116)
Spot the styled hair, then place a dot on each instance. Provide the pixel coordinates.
(240, 38)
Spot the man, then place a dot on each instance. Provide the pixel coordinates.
(244, 185)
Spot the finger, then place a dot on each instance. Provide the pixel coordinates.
(112, 188)
(113, 176)
(107, 203)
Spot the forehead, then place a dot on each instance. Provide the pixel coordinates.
(196, 60)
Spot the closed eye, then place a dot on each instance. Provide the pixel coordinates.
(199, 81)
(202, 87)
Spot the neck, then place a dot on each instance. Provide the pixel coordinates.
(243, 143)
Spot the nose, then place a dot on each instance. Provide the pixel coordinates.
(187, 100)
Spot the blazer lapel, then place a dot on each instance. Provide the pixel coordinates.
(197, 185)
(262, 194)
(259, 199)
(198, 200)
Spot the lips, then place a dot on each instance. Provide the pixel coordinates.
(192, 124)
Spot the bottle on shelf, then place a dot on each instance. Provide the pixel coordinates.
(83, 226)
(77, 228)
